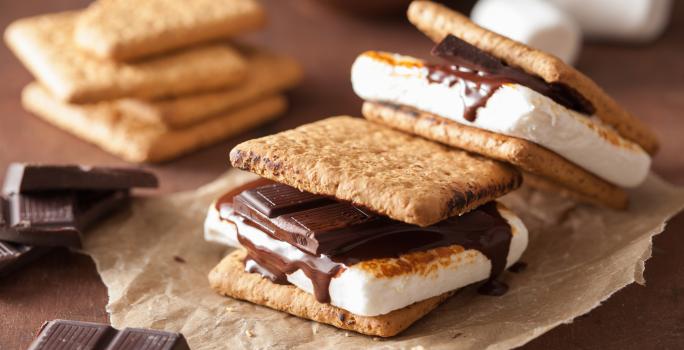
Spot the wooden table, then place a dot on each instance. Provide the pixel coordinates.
(648, 80)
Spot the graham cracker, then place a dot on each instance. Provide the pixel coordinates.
(230, 279)
(404, 177)
(136, 140)
(268, 73)
(525, 155)
(130, 29)
(45, 45)
(437, 21)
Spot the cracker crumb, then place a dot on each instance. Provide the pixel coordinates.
(314, 329)
(249, 333)
(179, 259)
(418, 347)
(229, 309)
(346, 334)
(376, 339)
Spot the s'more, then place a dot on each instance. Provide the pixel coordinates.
(491, 95)
(362, 227)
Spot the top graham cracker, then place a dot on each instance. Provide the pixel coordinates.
(404, 177)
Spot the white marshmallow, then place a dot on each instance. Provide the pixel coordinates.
(513, 110)
(533, 22)
(363, 288)
(624, 20)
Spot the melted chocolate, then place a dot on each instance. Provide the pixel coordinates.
(475, 88)
(482, 74)
(329, 236)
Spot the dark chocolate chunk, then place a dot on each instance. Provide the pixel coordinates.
(307, 224)
(14, 256)
(64, 334)
(25, 178)
(56, 218)
(148, 339)
(463, 54)
(277, 199)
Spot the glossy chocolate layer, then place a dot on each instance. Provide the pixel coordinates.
(333, 235)
(482, 74)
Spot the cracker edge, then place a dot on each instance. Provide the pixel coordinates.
(244, 157)
(162, 145)
(523, 154)
(228, 278)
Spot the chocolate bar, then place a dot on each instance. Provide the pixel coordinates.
(55, 218)
(278, 199)
(65, 334)
(313, 223)
(25, 178)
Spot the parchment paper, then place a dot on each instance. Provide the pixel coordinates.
(154, 262)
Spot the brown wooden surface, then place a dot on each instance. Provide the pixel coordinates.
(649, 81)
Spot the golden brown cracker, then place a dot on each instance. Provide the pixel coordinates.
(45, 45)
(130, 29)
(136, 140)
(405, 177)
(230, 279)
(524, 154)
(268, 73)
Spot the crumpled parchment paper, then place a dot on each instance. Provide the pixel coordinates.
(154, 262)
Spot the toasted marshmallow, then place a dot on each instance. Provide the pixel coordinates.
(378, 286)
(512, 110)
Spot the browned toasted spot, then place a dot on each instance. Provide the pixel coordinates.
(424, 263)
(393, 60)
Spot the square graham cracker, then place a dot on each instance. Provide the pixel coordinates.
(268, 73)
(136, 140)
(230, 279)
(45, 45)
(523, 154)
(402, 176)
(130, 29)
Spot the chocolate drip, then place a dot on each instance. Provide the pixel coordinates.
(320, 270)
(342, 240)
(475, 88)
(481, 74)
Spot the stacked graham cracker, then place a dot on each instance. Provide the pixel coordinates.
(149, 81)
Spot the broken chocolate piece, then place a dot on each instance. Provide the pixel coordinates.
(56, 218)
(64, 334)
(277, 199)
(25, 178)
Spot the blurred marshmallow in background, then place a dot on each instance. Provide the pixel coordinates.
(557, 26)
(635, 21)
(536, 23)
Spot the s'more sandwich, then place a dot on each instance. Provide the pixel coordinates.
(362, 227)
(488, 94)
